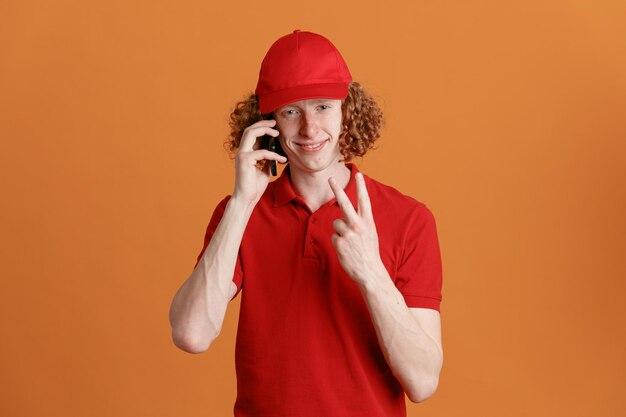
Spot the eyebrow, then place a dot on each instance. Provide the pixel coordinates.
(315, 101)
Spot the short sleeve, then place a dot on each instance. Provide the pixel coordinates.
(210, 230)
(419, 274)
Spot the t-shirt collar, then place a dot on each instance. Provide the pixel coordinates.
(284, 192)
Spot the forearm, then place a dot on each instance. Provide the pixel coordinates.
(198, 308)
(413, 356)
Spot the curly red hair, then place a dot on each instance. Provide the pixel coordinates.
(361, 122)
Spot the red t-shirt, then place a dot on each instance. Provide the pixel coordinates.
(306, 345)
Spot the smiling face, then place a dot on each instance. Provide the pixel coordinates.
(309, 133)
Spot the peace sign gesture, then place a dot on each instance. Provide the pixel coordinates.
(356, 240)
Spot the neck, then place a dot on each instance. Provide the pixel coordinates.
(313, 187)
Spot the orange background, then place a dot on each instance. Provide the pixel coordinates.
(506, 118)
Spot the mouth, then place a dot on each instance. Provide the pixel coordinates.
(312, 147)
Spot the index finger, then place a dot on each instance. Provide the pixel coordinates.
(344, 202)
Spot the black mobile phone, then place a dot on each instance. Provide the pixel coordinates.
(272, 144)
(269, 143)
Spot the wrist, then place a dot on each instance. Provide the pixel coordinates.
(240, 204)
(377, 279)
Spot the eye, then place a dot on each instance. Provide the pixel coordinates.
(324, 105)
(289, 112)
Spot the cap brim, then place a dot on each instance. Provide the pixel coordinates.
(272, 101)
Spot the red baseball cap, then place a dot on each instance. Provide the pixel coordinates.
(299, 66)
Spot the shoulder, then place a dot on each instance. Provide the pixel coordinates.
(395, 212)
(391, 199)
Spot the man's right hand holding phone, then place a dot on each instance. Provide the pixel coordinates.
(250, 181)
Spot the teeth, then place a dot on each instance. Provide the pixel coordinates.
(312, 146)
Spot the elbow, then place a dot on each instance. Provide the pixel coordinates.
(192, 344)
(421, 393)
(190, 338)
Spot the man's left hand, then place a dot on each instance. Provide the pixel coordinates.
(355, 238)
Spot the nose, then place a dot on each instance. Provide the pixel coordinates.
(309, 126)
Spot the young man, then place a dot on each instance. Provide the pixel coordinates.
(340, 275)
